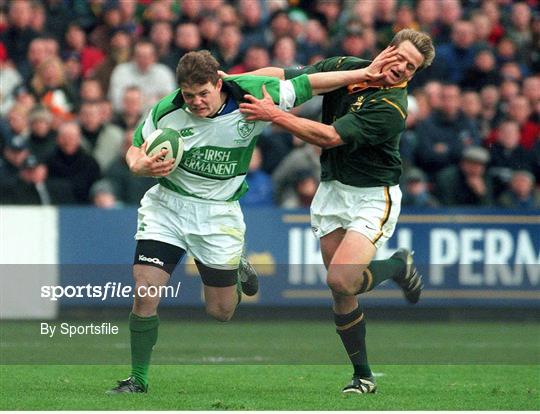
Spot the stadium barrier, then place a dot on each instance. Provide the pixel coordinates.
(469, 258)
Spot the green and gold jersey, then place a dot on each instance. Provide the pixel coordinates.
(368, 120)
(217, 151)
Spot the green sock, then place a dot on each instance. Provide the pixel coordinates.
(144, 333)
(351, 328)
(380, 270)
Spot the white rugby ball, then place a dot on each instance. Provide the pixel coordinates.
(169, 139)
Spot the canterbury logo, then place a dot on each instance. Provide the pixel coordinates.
(186, 132)
(155, 260)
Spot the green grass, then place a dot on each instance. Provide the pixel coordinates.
(278, 366)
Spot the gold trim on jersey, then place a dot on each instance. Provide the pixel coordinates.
(360, 86)
(388, 101)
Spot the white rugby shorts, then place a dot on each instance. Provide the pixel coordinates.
(371, 211)
(210, 231)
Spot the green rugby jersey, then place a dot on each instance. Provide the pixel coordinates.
(368, 120)
(217, 151)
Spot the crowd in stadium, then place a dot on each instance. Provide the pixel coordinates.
(76, 77)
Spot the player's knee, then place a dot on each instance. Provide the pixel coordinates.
(144, 303)
(339, 284)
(220, 312)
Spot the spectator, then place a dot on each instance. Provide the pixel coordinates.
(253, 24)
(103, 196)
(75, 42)
(482, 28)
(450, 14)
(531, 90)
(101, 139)
(132, 109)
(91, 90)
(453, 59)
(305, 185)
(228, 50)
(36, 55)
(471, 107)
(154, 79)
(433, 90)
(482, 73)
(522, 193)
(466, 184)
(51, 88)
(42, 136)
(70, 163)
(13, 156)
(33, 186)
(186, 39)
(284, 53)
(507, 156)
(280, 25)
(17, 123)
(19, 33)
(209, 28)
(519, 110)
(491, 10)
(304, 157)
(408, 143)
(520, 29)
(227, 15)
(119, 51)
(491, 109)
(416, 193)
(110, 19)
(9, 80)
(259, 182)
(161, 35)
(353, 43)
(427, 14)
(445, 133)
(316, 39)
(255, 57)
(190, 10)
(128, 188)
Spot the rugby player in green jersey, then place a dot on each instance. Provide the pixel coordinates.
(195, 208)
(356, 207)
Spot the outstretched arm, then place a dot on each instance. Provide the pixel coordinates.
(323, 82)
(322, 135)
(372, 75)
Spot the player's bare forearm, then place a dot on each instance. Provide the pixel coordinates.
(273, 72)
(324, 136)
(264, 109)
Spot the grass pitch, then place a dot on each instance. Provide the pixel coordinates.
(277, 366)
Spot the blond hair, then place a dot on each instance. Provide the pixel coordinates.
(421, 41)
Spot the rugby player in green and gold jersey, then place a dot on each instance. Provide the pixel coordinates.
(357, 204)
(195, 208)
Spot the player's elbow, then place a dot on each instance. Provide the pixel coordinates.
(331, 139)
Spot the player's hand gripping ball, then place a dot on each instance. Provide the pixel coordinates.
(169, 139)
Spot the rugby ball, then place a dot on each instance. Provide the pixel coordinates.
(169, 139)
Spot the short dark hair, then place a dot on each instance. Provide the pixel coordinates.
(422, 41)
(197, 68)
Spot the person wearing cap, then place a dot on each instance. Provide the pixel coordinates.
(466, 184)
(416, 193)
(357, 204)
(42, 136)
(521, 192)
(14, 153)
